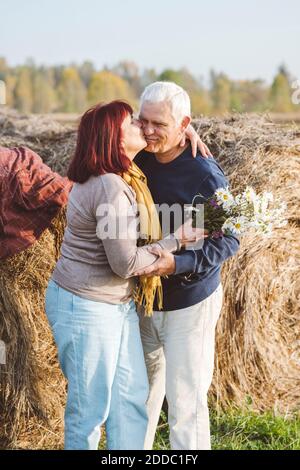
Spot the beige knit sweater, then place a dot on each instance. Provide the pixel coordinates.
(94, 265)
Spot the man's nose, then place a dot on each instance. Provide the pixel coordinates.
(148, 130)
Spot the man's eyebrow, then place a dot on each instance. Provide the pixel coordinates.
(154, 122)
(160, 122)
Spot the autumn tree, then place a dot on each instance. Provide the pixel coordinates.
(23, 91)
(71, 91)
(280, 93)
(44, 99)
(220, 92)
(107, 86)
(148, 76)
(86, 70)
(248, 96)
(4, 69)
(129, 71)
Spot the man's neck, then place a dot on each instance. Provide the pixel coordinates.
(170, 155)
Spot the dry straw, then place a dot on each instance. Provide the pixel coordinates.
(258, 335)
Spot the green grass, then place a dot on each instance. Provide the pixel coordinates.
(237, 430)
(241, 430)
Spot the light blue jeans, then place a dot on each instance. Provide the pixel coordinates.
(101, 356)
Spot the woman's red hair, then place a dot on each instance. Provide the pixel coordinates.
(98, 149)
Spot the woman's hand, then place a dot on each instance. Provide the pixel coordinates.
(196, 142)
(188, 234)
(165, 263)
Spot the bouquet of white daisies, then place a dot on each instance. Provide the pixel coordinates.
(226, 214)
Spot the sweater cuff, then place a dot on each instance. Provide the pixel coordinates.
(170, 243)
(185, 263)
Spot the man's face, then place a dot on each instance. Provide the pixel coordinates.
(161, 131)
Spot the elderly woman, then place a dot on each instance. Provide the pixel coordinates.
(89, 300)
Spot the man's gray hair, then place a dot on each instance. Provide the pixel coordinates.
(176, 96)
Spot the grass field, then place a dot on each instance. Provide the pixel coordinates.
(237, 430)
(245, 431)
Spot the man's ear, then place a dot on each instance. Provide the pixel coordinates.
(185, 122)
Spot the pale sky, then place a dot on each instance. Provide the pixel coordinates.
(245, 39)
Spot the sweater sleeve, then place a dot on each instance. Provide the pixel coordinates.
(117, 224)
(214, 251)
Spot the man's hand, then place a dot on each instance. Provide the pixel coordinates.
(188, 234)
(196, 142)
(163, 266)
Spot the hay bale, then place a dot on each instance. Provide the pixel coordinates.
(32, 388)
(258, 337)
(49, 139)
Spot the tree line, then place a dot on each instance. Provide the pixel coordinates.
(71, 89)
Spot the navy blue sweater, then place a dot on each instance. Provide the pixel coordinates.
(197, 272)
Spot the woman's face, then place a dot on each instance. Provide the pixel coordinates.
(133, 140)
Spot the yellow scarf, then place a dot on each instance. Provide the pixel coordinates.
(151, 232)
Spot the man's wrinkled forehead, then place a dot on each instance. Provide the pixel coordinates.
(159, 112)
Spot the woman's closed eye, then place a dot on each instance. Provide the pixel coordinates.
(135, 119)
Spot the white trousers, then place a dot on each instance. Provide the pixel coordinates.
(179, 353)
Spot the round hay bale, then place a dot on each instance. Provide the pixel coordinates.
(32, 388)
(53, 142)
(258, 334)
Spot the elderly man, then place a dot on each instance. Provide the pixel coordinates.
(178, 341)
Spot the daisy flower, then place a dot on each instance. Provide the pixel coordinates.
(224, 197)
